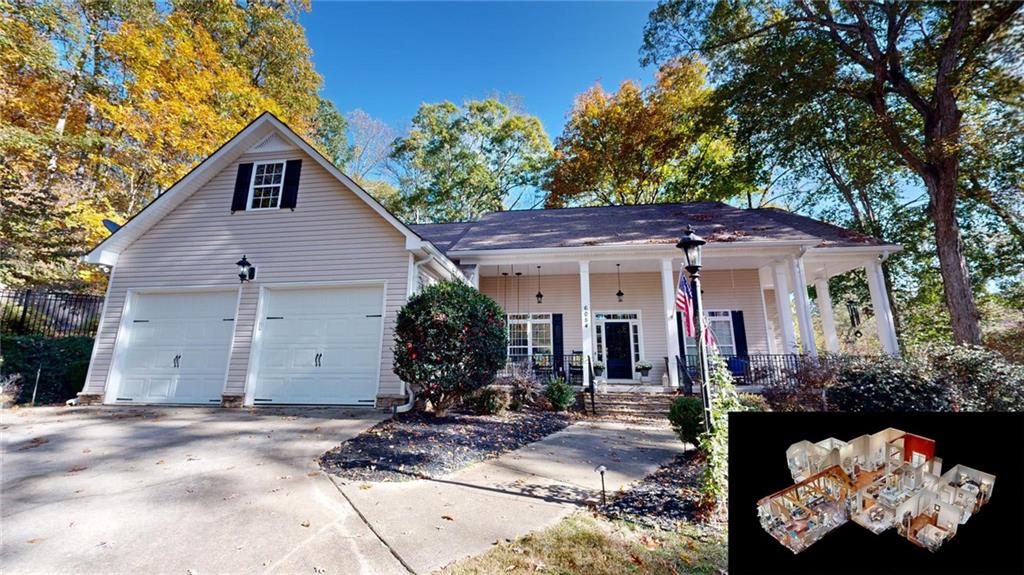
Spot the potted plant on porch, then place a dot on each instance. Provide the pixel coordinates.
(598, 368)
(643, 368)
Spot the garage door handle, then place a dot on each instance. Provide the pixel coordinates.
(177, 358)
(316, 360)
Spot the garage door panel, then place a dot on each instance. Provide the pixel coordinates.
(331, 322)
(176, 347)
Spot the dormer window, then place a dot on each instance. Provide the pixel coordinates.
(267, 185)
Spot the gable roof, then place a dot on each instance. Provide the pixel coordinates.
(265, 130)
(656, 224)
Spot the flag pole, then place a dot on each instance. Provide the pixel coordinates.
(702, 347)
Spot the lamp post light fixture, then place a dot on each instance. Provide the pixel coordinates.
(691, 244)
(540, 296)
(246, 271)
(604, 497)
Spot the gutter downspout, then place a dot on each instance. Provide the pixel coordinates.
(409, 393)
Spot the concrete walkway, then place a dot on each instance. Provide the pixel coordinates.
(431, 523)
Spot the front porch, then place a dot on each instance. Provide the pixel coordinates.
(569, 314)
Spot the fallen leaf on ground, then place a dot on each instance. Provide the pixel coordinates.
(34, 541)
(161, 462)
(35, 442)
(305, 523)
(77, 468)
(312, 474)
(447, 518)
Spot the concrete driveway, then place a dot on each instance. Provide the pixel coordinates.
(179, 490)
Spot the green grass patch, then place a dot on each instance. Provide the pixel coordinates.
(583, 543)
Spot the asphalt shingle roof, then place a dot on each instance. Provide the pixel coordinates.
(635, 225)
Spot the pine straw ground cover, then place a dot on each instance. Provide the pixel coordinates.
(416, 445)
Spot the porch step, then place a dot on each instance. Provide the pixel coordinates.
(652, 406)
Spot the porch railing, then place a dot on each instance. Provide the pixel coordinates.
(753, 369)
(544, 367)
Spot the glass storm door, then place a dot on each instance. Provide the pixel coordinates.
(618, 344)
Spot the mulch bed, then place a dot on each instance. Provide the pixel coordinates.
(419, 445)
(663, 499)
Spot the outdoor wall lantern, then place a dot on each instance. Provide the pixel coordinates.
(618, 274)
(246, 271)
(540, 296)
(691, 244)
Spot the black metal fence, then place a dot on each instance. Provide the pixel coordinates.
(754, 369)
(53, 314)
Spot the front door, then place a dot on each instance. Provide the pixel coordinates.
(617, 345)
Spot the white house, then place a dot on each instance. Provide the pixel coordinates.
(333, 267)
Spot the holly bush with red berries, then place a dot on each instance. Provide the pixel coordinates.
(450, 340)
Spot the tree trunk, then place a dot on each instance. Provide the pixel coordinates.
(956, 281)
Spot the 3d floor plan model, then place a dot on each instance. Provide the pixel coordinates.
(884, 480)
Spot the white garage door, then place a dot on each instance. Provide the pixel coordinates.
(319, 346)
(176, 347)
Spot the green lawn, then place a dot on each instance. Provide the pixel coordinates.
(587, 545)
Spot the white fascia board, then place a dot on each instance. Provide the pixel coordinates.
(784, 247)
(857, 250)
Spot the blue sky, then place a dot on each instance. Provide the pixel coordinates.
(388, 57)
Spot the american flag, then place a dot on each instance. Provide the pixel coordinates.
(684, 303)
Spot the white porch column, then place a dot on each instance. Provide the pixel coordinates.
(587, 319)
(883, 312)
(474, 277)
(668, 299)
(803, 307)
(828, 321)
(783, 309)
(763, 277)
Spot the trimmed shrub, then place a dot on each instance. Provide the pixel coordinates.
(560, 394)
(488, 401)
(449, 341)
(800, 390)
(525, 391)
(63, 361)
(981, 379)
(886, 384)
(687, 418)
(754, 402)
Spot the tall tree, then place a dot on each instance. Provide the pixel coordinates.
(330, 134)
(457, 163)
(924, 70)
(371, 145)
(660, 144)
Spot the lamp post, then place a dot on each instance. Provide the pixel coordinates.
(691, 244)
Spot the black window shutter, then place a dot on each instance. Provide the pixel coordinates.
(242, 181)
(290, 196)
(557, 346)
(739, 331)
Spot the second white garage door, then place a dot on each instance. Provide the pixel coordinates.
(319, 346)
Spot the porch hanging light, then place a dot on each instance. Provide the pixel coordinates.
(246, 271)
(618, 273)
(504, 291)
(540, 296)
(517, 291)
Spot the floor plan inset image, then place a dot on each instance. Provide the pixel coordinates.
(879, 481)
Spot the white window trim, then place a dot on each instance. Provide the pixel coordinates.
(528, 322)
(732, 330)
(603, 351)
(252, 185)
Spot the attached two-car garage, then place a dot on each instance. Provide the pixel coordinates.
(311, 345)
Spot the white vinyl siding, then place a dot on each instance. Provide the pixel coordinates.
(332, 236)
